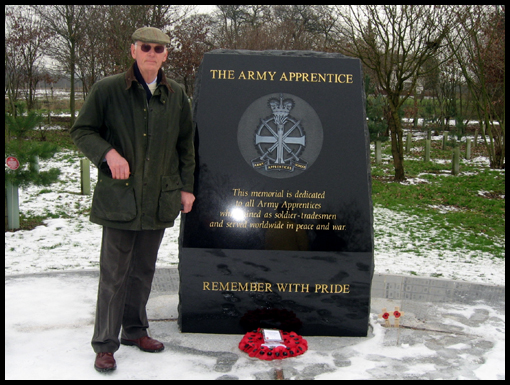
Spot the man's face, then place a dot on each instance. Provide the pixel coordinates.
(148, 60)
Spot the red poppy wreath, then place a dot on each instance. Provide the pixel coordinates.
(292, 345)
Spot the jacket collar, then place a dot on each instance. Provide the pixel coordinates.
(131, 77)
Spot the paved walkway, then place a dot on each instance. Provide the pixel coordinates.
(448, 330)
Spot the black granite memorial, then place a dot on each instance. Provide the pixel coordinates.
(281, 233)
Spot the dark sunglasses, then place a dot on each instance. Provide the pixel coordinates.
(147, 48)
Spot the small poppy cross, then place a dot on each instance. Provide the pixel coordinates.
(397, 314)
(385, 315)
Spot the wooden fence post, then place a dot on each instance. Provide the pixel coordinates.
(456, 161)
(12, 202)
(378, 156)
(468, 148)
(445, 139)
(427, 150)
(408, 141)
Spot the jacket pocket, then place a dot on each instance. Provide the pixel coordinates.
(170, 198)
(114, 199)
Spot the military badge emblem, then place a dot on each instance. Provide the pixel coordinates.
(284, 143)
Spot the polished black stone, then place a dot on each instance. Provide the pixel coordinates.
(283, 212)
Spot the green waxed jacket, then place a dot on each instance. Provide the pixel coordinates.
(156, 139)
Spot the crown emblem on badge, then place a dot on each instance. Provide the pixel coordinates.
(281, 109)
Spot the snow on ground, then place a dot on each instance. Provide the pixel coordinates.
(403, 244)
(50, 319)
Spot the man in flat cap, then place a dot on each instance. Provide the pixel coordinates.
(136, 128)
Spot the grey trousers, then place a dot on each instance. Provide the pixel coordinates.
(127, 265)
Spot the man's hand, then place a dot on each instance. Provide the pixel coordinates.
(118, 165)
(187, 200)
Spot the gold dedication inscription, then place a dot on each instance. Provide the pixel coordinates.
(266, 210)
(266, 287)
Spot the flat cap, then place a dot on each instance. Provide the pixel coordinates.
(151, 35)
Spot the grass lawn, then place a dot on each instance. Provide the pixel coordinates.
(471, 204)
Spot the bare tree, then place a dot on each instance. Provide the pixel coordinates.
(230, 20)
(394, 42)
(480, 52)
(67, 22)
(189, 43)
(26, 43)
(259, 27)
(13, 73)
(90, 48)
(304, 27)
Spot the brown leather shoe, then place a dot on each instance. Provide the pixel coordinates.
(146, 344)
(105, 362)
